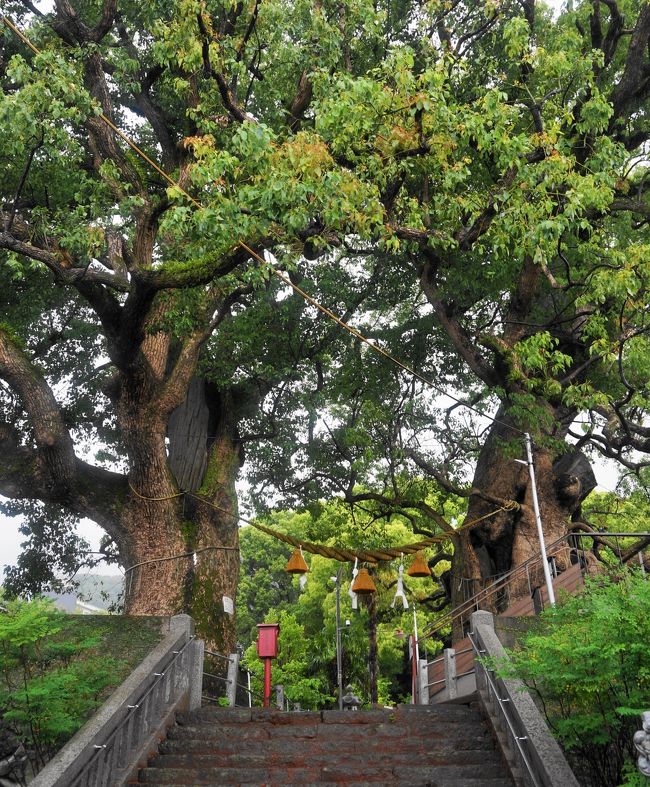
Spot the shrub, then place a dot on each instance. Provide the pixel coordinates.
(588, 662)
(51, 680)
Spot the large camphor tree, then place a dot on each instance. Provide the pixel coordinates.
(132, 324)
(488, 152)
(509, 150)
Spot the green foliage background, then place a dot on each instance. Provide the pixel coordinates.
(306, 665)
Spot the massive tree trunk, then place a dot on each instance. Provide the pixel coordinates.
(180, 519)
(504, 539)
(507, 539)
(173, 515)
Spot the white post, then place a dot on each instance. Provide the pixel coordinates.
(339, 651)
(233, 673)
(415, 656)
(415, 631)
(538, 522)
(449, 656)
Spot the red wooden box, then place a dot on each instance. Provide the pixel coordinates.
(267, 640)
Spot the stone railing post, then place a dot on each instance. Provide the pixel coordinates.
(451, 681)
(183, 624)
(279, 696)
(423, 682)
(233, 674)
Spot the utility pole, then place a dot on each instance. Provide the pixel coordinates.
(538, 519)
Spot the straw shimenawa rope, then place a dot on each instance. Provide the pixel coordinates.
(374, 555)
(341, 554)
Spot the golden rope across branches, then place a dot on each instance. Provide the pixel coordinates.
(375, 555)
(265, 263)
(340, 553)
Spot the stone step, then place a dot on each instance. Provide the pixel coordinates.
(443, 775)
(416, 714)
(478, 782)
(316, 758)
(339, 732)
(431, 746)
(439, 744)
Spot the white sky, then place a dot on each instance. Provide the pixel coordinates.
(11, 538)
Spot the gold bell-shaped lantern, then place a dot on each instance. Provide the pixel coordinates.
(419, 567)
(296, 564)
(363, 584)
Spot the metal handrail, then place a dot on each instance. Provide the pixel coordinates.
(498, 584)
(252, 693)
(504, 579)
(217, 677)
(228, 681)
(141, 700)
(218, 655)
(502, 583)
(518, 739)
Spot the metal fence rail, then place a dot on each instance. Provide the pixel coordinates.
(618, 552)
(571, 543)
(235, 670)
(499, 703)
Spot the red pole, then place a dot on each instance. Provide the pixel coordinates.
(267, 683)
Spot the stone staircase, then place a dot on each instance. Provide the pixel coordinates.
(436, 746)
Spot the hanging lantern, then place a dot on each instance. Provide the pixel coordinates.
(419, 567)
(296, 564)
(363, 584)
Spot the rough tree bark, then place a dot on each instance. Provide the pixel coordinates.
(509, 538)
(180, 517)
(174, 515)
